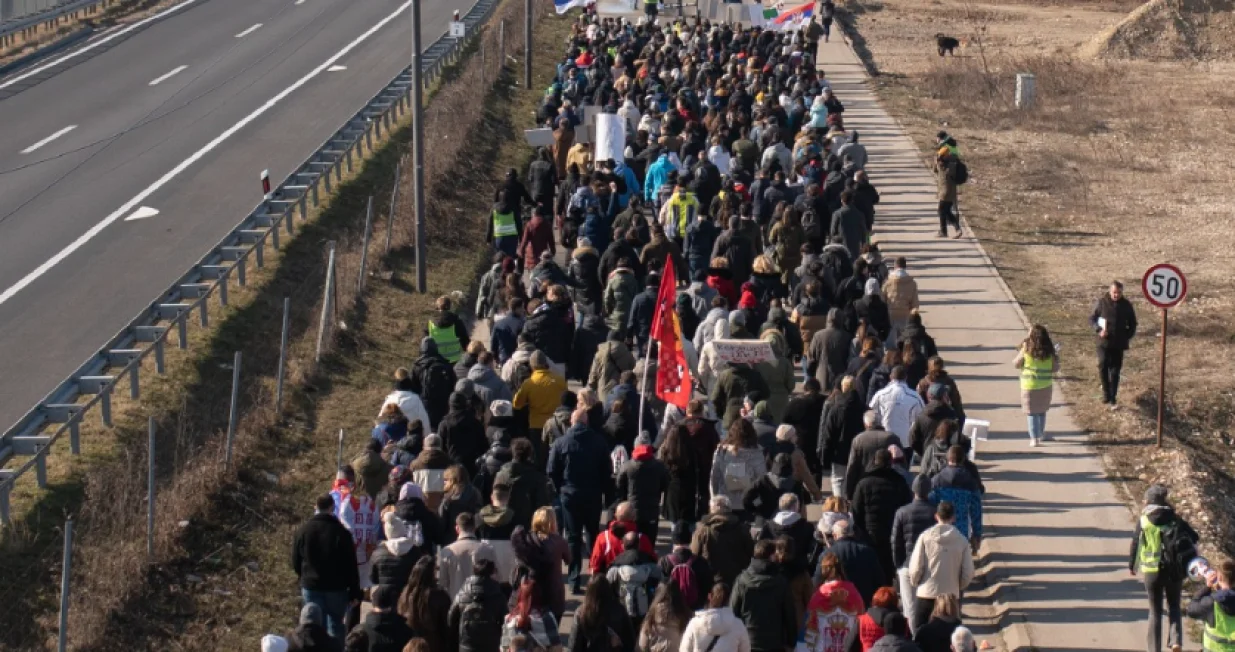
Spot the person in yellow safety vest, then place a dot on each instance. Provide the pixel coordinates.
(1214, 605)
(448, 331)
(650, 8)
(504, 227)
(1038, 363)
(679, 212)
(1160, 582)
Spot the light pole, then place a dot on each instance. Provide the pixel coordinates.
(418, 151)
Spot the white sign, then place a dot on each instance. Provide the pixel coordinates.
(1164, 285)
(610, 137)
(744, 351)
(539, 137)
(458, 29)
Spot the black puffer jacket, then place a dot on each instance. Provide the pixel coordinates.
(433, 378)
(586, 290)
(643, 481)
(463, 437)
(391, 567)
(875, 501)
(842, 421)
(588, 339)
(910, 522)
(477, 615)
(551, 330)
(761, 599)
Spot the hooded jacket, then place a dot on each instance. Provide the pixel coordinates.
(793, 525)
(707, 328)
(875, 501)
(495, 527)
(608, 546)
(958, 485)
(831, 615)
(620, 293)
(761, 599)
(529, 490)
(394, 558)
(541, 394)
(463, 435)
(762, 500)
(488, 385)
(710, 364)
(410, 405)
(732, 386)
(433, 378)
(898, 406)
(828, 355)
(778, 374)
(901, 294)
(923, 429)
(701, 237)
(551, 329)
(611, 359)
(579, 465)
(479, 630)
(639, 570)
(643, 481)
(942, 562)
(717, 630)
(911, 521)
(842, 422)
(642, 311)
(724, 541)
(1159, 515)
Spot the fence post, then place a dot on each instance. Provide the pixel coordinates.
(394, 200)
(233, 413)
(326, 298)
(278, 389)
(364, 249)
(339, 459)
(66, 571)
(501, 44)
(150, 498)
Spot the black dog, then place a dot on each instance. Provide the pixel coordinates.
(947, 44)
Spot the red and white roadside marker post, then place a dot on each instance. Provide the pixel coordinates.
(1164, 286)
(266, 184)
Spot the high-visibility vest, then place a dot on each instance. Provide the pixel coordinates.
(1036, 373)
(683, 207)
(504, 225)
(651, 2)
(1220, 637)
(447, 341)
(1150, 548)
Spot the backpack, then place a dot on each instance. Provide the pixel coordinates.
(439, 383)
(474, 622)
(619, 457)
(1178, 549)
(736, 475)
(960, 173)
(683, 575)
(523, 371)
(431, 480)
(634, 596)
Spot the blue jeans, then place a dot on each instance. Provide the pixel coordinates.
(1037, 425)
(581, 513)
(334, 605)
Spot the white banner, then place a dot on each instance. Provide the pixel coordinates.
(744, 351)
(610, 137)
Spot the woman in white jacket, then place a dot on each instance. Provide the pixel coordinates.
(716, 628)
(710, 365)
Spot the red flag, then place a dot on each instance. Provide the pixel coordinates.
(673, 382)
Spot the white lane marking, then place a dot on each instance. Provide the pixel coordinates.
(49, 139)
(249, 31)
(336, 68)
(299, 2)
(142, 213)
(167, 76)
(195, 157)
(95, 44)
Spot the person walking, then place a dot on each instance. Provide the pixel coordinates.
(456, 561)
(945, 179)
(833, 610)
(580, 469)
(876, 499)
(1038, 364)
(942, 563)
(1156, 542)
(723, 540)
(1114, 320)
(738, 463)
(761, 599)
(601, 624)
(324, 558)
(642, 481)
(1214, 606)
(898, 405)
(910, 522)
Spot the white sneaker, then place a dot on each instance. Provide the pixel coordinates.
(1033, 443)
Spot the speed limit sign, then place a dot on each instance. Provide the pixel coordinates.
(1164, 285)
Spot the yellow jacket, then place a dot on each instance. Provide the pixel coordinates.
(541, 394)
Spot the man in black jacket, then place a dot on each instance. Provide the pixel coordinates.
(909, 524)
(1114, 320)
(860, 561)
(804, 413)
(643, 481)
(478, 611)
(761, 599)
(433, 378)
(580, 468)
(324, 558)
(387, 630)
(876, 499)
(864, 448)
(642, 310)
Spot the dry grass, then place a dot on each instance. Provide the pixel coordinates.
(1120, 165)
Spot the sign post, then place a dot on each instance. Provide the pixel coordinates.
(1164, 286)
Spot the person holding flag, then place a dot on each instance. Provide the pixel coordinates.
(673, 381)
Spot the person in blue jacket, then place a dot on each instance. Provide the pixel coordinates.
(658, 175)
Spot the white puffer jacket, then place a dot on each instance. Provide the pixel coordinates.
(720, 625)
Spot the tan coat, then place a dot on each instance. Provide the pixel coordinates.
(809, 325)
(581, 154)
(456, 561)
(942, 563)
(900, 292)
(947, 187)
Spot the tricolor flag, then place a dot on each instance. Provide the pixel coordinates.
(801, 14)
(564, 6)
(673, 382)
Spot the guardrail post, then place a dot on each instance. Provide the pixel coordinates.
(328, 293)
(364, 249)
(150, 497)
(501, 44)
(233, 413)
(182, 331)
(223, 278)
(205, 316)
(240, 270)
(368, 134)
(304, 209)
(347, 154)
(134, 384)
(4, 496)
(66, 572)
(339, 459)
(394, 200)
(75, 426)
(278, 390)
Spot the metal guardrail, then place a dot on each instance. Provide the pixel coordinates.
(13, 25)
(150, 332)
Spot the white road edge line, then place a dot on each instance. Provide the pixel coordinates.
(195, 157)
(249, 31)
(167, 76)
(49, 139)
(336, 68)
(95, 44)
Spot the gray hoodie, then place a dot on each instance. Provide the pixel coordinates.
(704, 333)
(489, 387)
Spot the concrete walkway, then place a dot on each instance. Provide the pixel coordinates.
(1055, 555)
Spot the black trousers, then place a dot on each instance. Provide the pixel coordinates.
(1110, 364)
(648, 529)
(582, 525)
(922, 609)
(1157, 588)
(946, 217)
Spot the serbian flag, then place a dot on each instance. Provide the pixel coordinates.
(563, 6)
(800, 13)
(673, 383)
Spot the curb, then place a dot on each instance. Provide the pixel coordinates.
(62, 44)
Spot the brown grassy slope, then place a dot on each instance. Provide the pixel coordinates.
(1170, 30)
(1120, 165)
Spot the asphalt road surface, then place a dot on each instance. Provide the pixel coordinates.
(179, 114)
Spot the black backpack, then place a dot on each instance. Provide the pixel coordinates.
(1178, 549)
(960, 173)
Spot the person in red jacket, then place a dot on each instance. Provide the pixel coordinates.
(609, 544)
(721, 280)
(870, 624)
(537, 238)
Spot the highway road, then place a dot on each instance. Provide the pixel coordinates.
(179, 114)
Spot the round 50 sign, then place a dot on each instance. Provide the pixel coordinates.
(1164, 285)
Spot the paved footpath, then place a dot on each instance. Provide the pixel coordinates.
(1055, 554)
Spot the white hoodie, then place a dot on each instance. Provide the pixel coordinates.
(720, 625)
(710, 364)
(410, 405)
(720, 158)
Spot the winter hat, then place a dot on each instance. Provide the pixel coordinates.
(1156, 495)
(272, 643)
(761, 409)
(428, 346)
(311, 614)
(411, 490)
(466, 387)
(872, 286)
(501, 408)
(458, 401)
(433, 441)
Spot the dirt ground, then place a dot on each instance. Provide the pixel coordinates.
(1120, 165)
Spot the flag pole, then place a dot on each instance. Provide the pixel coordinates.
(643, 387)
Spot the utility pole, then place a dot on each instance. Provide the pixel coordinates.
(527, 44)
(418, 151)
